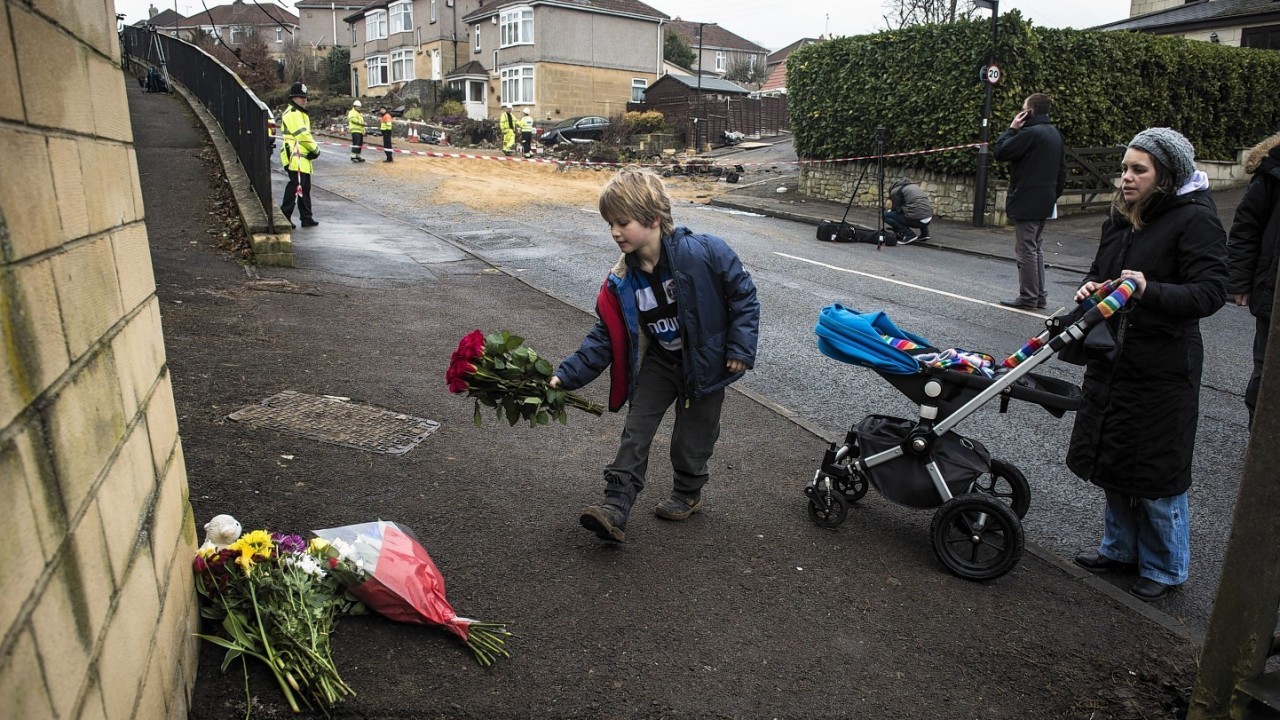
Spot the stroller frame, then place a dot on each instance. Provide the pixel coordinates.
(977, 532)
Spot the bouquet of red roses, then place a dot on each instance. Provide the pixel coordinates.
(385, 566)
(503, 373)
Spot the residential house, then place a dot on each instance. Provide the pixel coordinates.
(1242, 23)
(234, 23)
(321, 23)
(165, 21)
(776, 82)
(394, 42)
(719, 50)
(561, 58)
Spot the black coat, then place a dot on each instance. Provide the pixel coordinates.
(1254, 245)
(1135, 432)
(1039, 167)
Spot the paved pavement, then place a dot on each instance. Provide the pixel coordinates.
(349, 281)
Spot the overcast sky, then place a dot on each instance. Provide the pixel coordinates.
(776, 24)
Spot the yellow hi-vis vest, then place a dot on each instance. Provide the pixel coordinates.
(355, 121)
(295, 130)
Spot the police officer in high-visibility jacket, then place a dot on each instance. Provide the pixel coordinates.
(384, 124)
(526, 133)
(296, 154)
(355, 126)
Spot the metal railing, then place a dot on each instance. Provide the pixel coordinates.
(237, 110)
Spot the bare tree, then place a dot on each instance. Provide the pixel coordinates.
(748, 70)
(902, 13)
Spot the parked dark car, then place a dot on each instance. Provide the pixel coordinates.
(576, 129)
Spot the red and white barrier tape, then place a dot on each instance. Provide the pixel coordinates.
(588, 163)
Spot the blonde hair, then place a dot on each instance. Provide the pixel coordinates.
(637, 194)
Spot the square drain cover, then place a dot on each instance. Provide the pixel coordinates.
(336, 421)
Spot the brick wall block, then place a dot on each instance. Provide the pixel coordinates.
(172, 527)
(135, 182)
(84, 422)
(125, 498)
(82, 19)
(139, 356)
(112, 203)
(28, 205)
(162, 425)
(133, 265)
(19, 571)
(50, 58)
(33, 351)
(10, 91)
(21, 682)
(68, 183)
(126, 649)
(88, 293)
(110, 104)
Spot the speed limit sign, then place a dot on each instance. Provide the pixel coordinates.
(991, 74)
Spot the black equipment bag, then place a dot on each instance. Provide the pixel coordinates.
(836, 231)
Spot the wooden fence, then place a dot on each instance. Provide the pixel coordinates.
(1091, 176)
(753, 117)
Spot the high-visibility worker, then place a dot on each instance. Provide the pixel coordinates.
(355, 126)
(384, 124)
(296, 153)
(510, 128)
(526, 133)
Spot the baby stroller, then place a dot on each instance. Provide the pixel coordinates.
(977, 529)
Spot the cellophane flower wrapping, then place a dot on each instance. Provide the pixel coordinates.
(503, 373)
(385, 566)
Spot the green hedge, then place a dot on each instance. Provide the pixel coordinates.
(921, 84)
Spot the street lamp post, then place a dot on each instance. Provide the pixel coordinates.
(697, 121)
(980, 180)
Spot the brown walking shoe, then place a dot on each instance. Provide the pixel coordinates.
(678, 508)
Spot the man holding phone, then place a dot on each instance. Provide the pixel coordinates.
(1038, 172)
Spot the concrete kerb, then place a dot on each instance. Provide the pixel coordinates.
(269, 248)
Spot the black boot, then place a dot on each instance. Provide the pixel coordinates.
(608, 520)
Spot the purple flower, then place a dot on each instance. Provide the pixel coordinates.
(289, 543)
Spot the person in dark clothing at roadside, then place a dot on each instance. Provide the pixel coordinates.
(1252, 251)
(909, 207)
(1136, 428)
(679, 320)
(1036, 178)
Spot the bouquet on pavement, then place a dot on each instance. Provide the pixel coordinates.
(384, 565)
(503, 373)
(275, 602)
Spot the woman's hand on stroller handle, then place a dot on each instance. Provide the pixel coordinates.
(1135, 276)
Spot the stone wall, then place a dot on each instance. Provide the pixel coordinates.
(97, 607)
(952, 196)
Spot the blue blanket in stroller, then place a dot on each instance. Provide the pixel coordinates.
(868, 339)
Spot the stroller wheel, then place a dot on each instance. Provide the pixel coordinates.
(1007, 484)
(852, 487)
(828, 510)
(977, 537)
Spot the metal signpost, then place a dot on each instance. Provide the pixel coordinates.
(990, 77)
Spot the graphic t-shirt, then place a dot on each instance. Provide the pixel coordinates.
(656, 301)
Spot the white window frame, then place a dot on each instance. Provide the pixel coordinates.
(237, 34)
(279, 35)
(477, 45)
(475, 91)
(375, 25)
(402, 65)
(431, 12)
(517, 84)
(377, 69)
(401, 14)
(638, 86)
(720, 60)
(516, 27)
(437, 65)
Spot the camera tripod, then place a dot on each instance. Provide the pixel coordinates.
(155, 55)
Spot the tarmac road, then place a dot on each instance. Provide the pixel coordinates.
(946, 297)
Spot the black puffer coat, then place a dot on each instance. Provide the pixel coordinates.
(1254, 245)
(1038, 167)
(1135, 432)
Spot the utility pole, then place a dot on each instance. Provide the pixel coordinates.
(980, 180)
(697, 121)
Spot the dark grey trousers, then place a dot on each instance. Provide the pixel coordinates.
(1028, 238)
(697, 427)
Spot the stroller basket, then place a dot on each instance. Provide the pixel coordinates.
(906, 480)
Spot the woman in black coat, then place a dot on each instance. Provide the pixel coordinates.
(1135, 431)
(1253, 249)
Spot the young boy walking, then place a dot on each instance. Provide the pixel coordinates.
(678, 322)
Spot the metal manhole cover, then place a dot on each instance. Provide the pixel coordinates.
(490, 240)
(338, 422)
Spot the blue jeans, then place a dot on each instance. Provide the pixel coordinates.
(1154, 533)
(902, 224)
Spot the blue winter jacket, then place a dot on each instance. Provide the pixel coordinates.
(719, 317)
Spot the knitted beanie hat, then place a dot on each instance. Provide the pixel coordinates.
(1170, 149)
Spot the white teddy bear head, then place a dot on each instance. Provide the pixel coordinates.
(220, 532)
